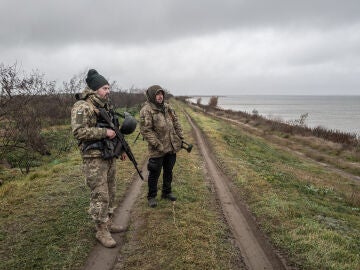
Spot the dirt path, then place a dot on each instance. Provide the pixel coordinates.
(101, 258)
(256, 250)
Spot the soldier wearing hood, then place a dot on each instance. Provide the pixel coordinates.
(94, 137)
(160, 127)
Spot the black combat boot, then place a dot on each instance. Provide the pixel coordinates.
(152, 202)
(169, 196)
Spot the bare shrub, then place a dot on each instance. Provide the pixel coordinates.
(127, 98)
(21, 112)
(28, 103)
(336, 136)
(299, 122)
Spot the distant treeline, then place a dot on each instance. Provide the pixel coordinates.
(29, 103)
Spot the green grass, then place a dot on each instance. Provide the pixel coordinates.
(43, 219)
(43, 215)
(44, 222)
(188, 234)
(308, 212)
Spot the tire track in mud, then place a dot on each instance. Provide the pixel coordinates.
(254, 247)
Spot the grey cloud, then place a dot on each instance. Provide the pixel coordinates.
(203, 46)
(315, 47)
(62, 22)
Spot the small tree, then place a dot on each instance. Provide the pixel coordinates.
(213, 101)
(299, 122)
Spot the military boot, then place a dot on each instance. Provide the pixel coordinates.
(114, 228)
(152, 202)
(168, 196)
(104, 236)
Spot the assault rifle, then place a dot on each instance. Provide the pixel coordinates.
(122, 143)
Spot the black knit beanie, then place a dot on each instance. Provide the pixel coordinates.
(94, 80)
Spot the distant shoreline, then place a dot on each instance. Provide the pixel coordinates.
(331, 112)
(335, 135)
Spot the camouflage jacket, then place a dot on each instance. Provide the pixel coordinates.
(160, 128)
(84, 119)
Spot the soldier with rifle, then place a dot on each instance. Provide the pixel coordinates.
(95, 126)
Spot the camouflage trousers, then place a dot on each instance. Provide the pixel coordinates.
(100, 178)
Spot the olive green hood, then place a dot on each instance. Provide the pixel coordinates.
(151, 93)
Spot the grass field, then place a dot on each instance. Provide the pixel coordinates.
(308, 212)
(44, 223)
(43, 215)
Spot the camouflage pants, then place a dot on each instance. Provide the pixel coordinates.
(100, 178)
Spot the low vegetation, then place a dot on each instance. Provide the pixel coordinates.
(44, 222)
(309, 212)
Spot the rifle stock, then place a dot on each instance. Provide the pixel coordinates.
(121, 139)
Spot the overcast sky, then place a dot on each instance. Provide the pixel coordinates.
(190, 47)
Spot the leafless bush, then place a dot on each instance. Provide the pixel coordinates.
(64, 99)
(126, 98)
(299, 122)
(28, 103)
(21, 112)
(336, 136)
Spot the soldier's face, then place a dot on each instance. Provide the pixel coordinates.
(159, 97)
(104, 91)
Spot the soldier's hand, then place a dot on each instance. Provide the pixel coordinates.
(110, 133)
(123, 156)
(160, 148)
